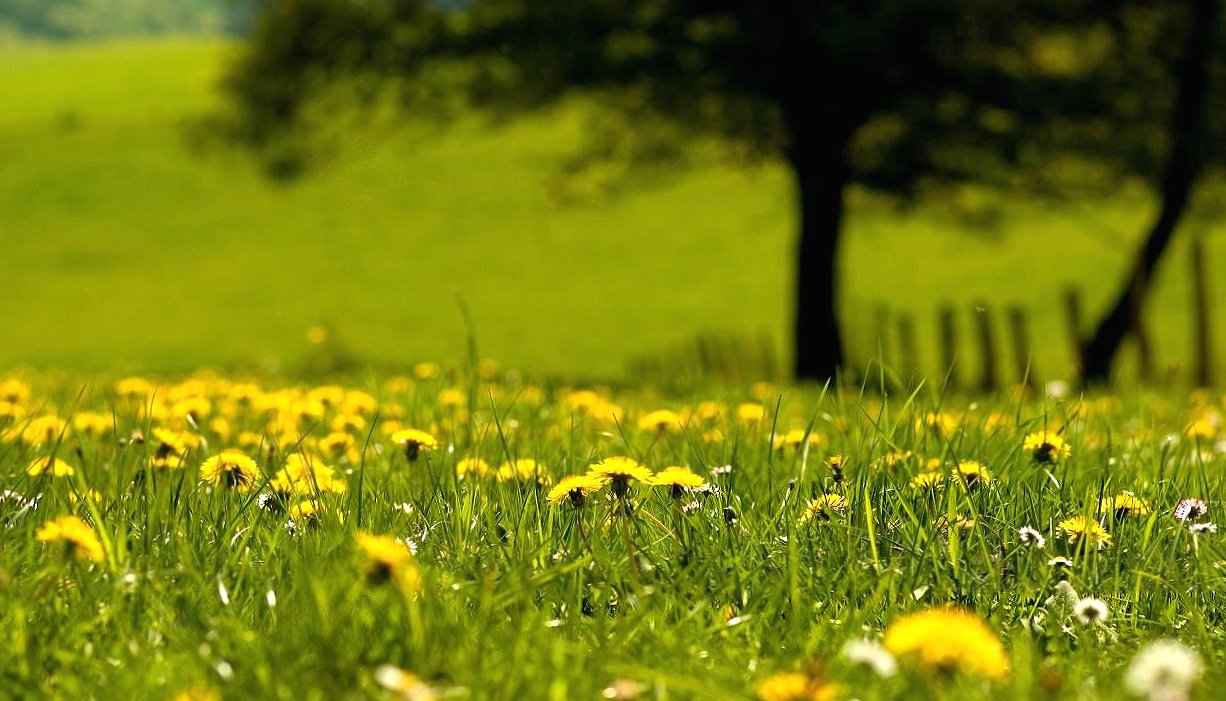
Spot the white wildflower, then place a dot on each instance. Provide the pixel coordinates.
(1031, 538)
(870, 654)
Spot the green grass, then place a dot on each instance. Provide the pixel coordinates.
(699, 597)
(122, 249)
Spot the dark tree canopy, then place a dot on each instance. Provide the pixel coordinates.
(888, 93)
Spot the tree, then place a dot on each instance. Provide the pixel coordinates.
(1188, 138)
(888, 93)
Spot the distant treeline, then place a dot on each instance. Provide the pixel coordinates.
(77, 19)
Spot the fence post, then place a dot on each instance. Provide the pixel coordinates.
(1022, 357)
(947, 320)
(987, 347)
(908, 350)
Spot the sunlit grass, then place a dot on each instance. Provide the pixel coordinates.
(801, 525)
(158, 258)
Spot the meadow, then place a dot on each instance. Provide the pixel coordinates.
(129, 251)
(460, 533)
(235, 462)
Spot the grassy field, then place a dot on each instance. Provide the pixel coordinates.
(416, 539)
(122, 250)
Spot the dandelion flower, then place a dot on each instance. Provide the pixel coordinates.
(836, 463)
(1083, 528)
(824, 508)
(798, 437)
(1091, 611)
(1163, 670)
(576, 488)
(306, 476)
(1124, 504)
(389, 560)
(973, 473)
(415, 442)
(794, 686)
(1046, 447)
(948, 640)
(231, 469)
(522, 470)
(660, 421)
(750, 414)
(50, 466)
(678, 480)
(621, 470)
(927, 480)
(79, 540)
(472, 466)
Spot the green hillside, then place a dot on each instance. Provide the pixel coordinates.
(122, 249)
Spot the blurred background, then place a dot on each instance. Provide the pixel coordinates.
(604, 189)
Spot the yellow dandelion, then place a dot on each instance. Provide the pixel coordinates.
(415, 442)
(794, 686)
(660, 421)
(1083, 528)
(621, 470)
(522, 470)
(677, 479)
(1124, 504)
(824, 508)
(303, 475)
(79, 540)
(337, 445)
(91, 423)
(473, 466)
(797, 437)
(576, 488)
(927, 480)
(50, 466)
(972, 473)
(44, 430)
(388, 560)
(1046, 447)
(750, 414)
(311, 512)
(948, 641)
(231, 469)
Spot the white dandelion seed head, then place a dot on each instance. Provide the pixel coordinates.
(1059, 562)
(1163, 670)
(870, 654)
(1031, 538)
(1091, 611)
(721, 470)
(1203, 527)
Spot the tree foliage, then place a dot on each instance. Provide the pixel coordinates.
(1057, 96)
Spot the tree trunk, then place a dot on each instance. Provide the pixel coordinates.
(821, 175)
(1185, 162)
